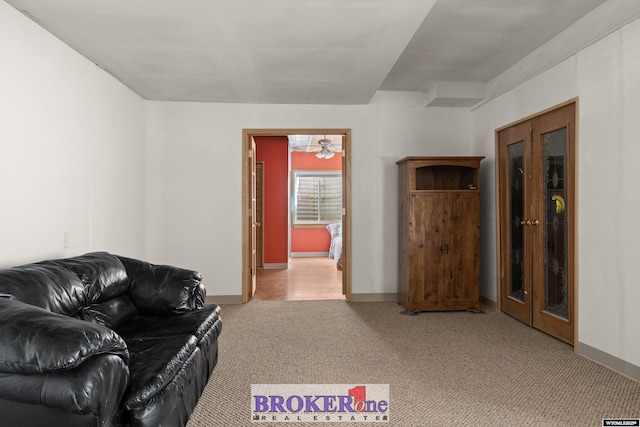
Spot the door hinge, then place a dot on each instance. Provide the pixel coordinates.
(250, 154)
(344, 153)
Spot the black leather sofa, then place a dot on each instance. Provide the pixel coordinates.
(103, 340)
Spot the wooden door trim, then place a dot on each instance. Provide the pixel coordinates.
(539, 113)
(260, 218)
(575, 226)
(247, 135)
(246, 207)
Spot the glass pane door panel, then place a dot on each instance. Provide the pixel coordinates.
(555, 222)
(516, 215)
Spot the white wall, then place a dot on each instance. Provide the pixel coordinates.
(80, 153)
(194, 178)
(609, 89)
(606, 77)
(71, 150)
(76, 159)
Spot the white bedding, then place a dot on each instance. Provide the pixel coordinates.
(335, 247)
(335, 250)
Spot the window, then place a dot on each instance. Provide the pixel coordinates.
(317, 197)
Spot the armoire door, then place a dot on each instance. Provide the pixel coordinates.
(426, 263)
(537, 210)
(461, 250)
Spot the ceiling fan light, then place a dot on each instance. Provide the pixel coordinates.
(320, 154)
(329, 154)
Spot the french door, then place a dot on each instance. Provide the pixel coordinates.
(536, 206)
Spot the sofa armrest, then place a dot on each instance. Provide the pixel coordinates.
(94, 388)
(35, 341)
(162, 289)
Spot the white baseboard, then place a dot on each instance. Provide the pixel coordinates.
(223, 299)
(273, 266)
(237, 299)
(309, 254)
(488, 303)
(612, 362)
(374, 297)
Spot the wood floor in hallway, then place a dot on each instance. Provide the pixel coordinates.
(306, 279)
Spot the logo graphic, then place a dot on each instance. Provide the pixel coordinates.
(320, 403)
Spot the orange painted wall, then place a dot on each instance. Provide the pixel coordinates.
(312, 239)
(309, 161)
(274, 152)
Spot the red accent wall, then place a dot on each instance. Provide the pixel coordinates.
(274, 152)
(312, 239)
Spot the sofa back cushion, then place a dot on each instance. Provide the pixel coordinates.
(162, 289)
(103, 275)
(45, 285)
(112, 313)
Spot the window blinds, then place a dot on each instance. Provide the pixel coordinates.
(318, 198)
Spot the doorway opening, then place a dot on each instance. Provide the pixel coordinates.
(253, 222)
(306, 278)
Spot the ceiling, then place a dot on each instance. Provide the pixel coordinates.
(303, 51)
(310, 143)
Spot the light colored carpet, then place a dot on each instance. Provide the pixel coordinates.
(443, 369)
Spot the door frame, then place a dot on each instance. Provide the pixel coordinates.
(498, 200)
(260, 217)
(247, 138)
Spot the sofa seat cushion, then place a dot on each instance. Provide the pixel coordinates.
(175, 403)
(196, 322)
(154, 362)
(160, 346)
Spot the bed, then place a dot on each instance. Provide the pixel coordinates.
(335, 247)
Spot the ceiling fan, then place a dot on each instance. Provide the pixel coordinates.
(327, 148)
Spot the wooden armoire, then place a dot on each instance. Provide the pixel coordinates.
(439, 233)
